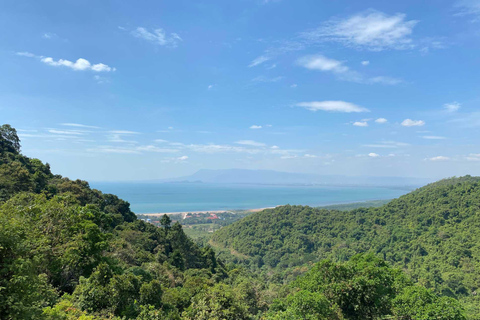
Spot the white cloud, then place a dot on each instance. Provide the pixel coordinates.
(294, 85)
(151, 148)
(273, 66)
(79, 65)
(468, 7)
(216, 148)
(123, 132)
(26, 54)
(210, 87)
(381, 120)
(266, 79)
(255, 127)
(322, 63)
(69, 132)
(251, 143)
(384, 80)
(100, 80)
(438, 158)
(258, 61)
(387, 145)
(310, 155)
(412, 123)
(433, 137)
(373, 155)
(332, 106)
(452, 107)
(49, 35)
(372, 30)
(110, 149)
(360, 124)
(78, 125)
(182, 158)
(274, 147)
(473, 157)
(157, 36)
(365, 63)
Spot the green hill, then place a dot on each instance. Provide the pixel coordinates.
(432, 233)
(71, 252)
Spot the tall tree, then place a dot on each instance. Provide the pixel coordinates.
(9, 140)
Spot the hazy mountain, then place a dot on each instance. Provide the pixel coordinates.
(278, 177)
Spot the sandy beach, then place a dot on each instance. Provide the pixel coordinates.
(184, 213)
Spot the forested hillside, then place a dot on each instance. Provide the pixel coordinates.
(71, 252)
(433, 234)
(68, 251)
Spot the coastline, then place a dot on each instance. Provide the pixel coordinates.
(325, 206)
(204, 211)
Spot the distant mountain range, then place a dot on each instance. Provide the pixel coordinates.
(271, 177)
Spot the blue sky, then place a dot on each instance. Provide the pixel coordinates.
(137, 90)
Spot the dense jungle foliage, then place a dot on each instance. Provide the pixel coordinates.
(431, 233)
(71, 252)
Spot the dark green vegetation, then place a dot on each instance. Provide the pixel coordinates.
(356, 205)
(432, 233)
(71, 252)
(200, 225)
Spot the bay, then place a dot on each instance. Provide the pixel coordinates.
(187, 197)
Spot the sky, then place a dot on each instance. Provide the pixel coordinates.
(141, 90)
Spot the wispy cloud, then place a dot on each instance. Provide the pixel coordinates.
(150, 148)
(434, 137)
(387, 145)
(473, 157)
(267, 79)
(371, 30)
(124, 132)
(49, 35)
(117, 136)
(412, 123)
(438, 158)
(251, 143)
(468, 7)
(342, 72)
(381, 120)
(157, 36)
(258, 61)
(78, 125)
(451, 107)
(332, 106)
(111, 149)
(384, 80)
(256, 127)
(26, 54)
(373, 155)
(322, 63)
(69, 132)
(365, 63)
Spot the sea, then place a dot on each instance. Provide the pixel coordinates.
(187, 197)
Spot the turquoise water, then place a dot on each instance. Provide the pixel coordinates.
(180, 197)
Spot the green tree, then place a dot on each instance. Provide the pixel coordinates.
(419, 303)
(165, 221)
(9, 140)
